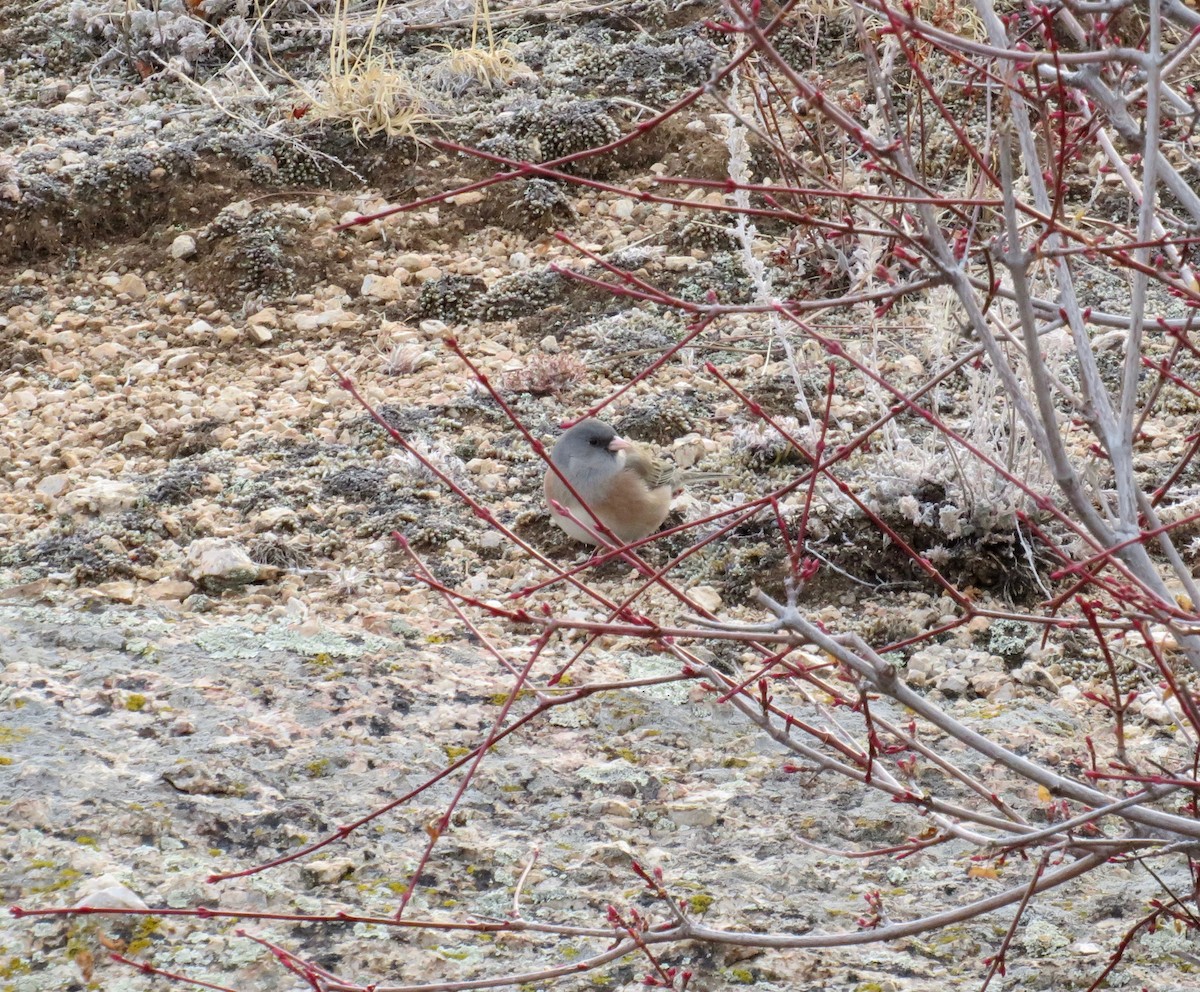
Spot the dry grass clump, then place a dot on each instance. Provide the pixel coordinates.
(365, 88)
(547, 375)
(489, 66)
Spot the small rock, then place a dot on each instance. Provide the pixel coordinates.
(182, 360)
(414, 262)
(218, 563)
(131, 285)
(1156, 711)
(679, 263)
(266, 317)
(1035, 675)
(549, 344)
(52, 91)
(622, 209)
(467, 198)
(81, 94)
(432, 327)
(276, 518)
(24, 399)
(706, 597)
(170, 589)
(692, 815)
(259, 333)
(120, 592)
(327, 872)
(52, 486)
(112, 895)
(952, 683)
(102, 497)
(106, 351)
(378, 287)
(183, 247)
(429, 274)
(986, 683)
(196, 780)
(143, 369)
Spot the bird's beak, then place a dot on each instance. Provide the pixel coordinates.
(619, 444)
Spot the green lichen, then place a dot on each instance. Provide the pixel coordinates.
(14, 967)
(453, 955)
(318, 768)
(146, 929)
(136, 702)
(700, 902)
(12, 735)
(66, 878)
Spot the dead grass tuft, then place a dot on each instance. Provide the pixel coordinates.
(365, 88)
(547, 375)
(495, 64)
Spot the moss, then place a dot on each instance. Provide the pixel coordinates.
(700, 902)
(455, 751)
(136, 702)
(88, 841)
(318, 768)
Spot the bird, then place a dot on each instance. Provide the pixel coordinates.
(626, 485)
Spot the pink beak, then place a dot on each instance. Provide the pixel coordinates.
(619, 443)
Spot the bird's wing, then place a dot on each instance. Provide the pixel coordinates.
(654, 470)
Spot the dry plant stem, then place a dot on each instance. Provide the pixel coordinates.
(778, 724)
(580, 966)
(857, 655)
(1137, 304)
(435, 926)
(997, 51)
(1058, 830)
(897, 931)
(516, 906)
(171, 976)
(436, 831)
(1113, 430)
(996, 963)
(423, 575)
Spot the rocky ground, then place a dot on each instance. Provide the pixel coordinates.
(213, 651)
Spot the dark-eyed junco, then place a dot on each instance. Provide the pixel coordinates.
(626, 485)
